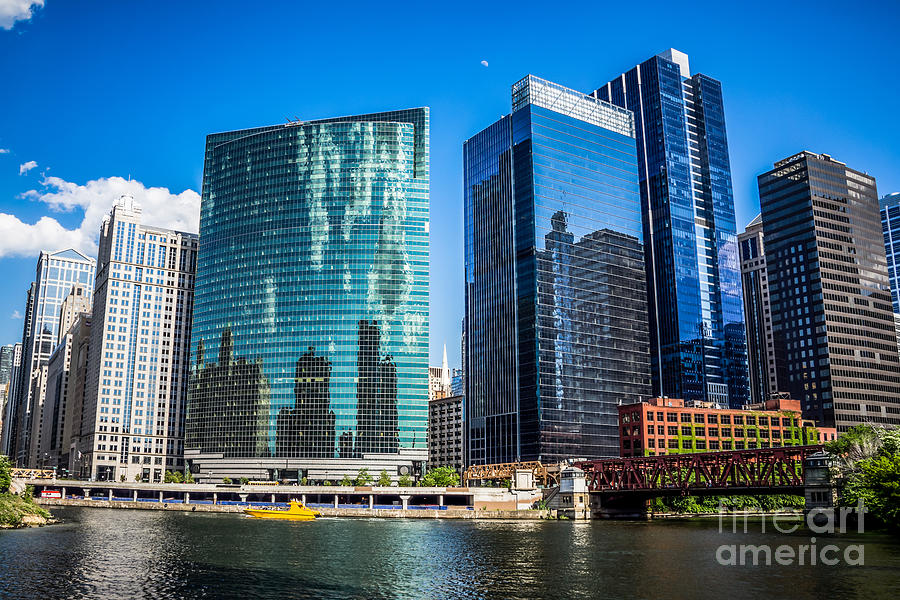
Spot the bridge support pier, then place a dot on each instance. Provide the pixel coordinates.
(134, 496)
(405, 499)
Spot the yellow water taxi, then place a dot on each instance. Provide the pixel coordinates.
(295, 512)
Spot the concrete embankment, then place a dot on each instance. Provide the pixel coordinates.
(528, 515)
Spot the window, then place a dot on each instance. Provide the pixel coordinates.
(726, 445)
(712, 419)
(698, 418)
(649, 429)
(738, 432)
(672, 418)
(700, 431)
(649, 416)
(659, 416)
(713, 432)
(726, 432)
(673, 430)
(785, 422)
(701, 444)
(685, 431)
(739, 445)
(713, 445)
(660, 430)
(726, 419)
(685, 417)
(673, 443)
(751, 420)
(651, 443)
(764, 421)
(738, 420)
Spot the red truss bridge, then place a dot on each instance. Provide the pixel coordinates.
(766, 469)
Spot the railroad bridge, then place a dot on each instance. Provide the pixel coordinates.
(626, 484)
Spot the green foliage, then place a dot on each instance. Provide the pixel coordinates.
(174, 477)
(326, 482)
(710, 504)
(122, 477)
(346, 480)
(188, 477)
(441, 477)
(5, 476)
(303, 481)
(405, 481)
(244, 481)
(363, 477)
(876, 481)
(138, 477)
(14, 508)
(384, 480)
(861, 435)
(226, 480)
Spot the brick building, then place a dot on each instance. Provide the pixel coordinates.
(667, 426)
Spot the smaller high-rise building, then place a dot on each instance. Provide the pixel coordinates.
(8, 402)
(832, 319)
(73, 423)
(139, 356)
(757, 312)
(446, 435)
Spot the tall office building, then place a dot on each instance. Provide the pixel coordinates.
(55, 275)
(439, 381)
(890, 229)
(832, 319)
(136, 382)
(7, 425)
(556, 315)
(6, 362)
(698, 348)
(311, 317)
(757, 312)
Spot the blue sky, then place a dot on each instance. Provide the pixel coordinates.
(96, 91)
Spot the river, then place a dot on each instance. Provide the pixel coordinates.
(103, 553)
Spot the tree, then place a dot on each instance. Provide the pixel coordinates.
(177, 477)
(5, 474)
(363, 477)
(244, 481)
(346, 480)
(188, 477)
(441, 477)
(226, 480)
(405, 481)
(384, 480)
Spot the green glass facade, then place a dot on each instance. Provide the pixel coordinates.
(310, 334)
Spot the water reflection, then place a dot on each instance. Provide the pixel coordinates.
(101, 553)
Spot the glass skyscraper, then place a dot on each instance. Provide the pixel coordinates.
(890, 228)
(310, 330)
(697, 338)
(556, 315)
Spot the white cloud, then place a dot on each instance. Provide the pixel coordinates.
(16, 315)
(4, 150)
(161, 208)
(17, 10)
(25, 167)
(484, 63)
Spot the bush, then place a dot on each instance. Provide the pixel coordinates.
(363, 477)
(226, 480)
(405, 481)
(346, 480)
(244, 481)
(138, 477)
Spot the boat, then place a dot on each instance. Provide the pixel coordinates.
(297, 511)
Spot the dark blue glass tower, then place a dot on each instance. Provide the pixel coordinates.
(556, 315)
(697, 338)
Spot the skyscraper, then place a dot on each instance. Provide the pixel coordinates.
(832, 319)
(7, 434)
(138, 363)
(757, 312)
(556, 316)
(312, 290)
(55, 275)
(697, 340)
(890, 229)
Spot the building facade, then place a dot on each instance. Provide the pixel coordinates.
(757, 312)
(135, 389)
(832, 319)
(890, 229)
(55, 275)
(311, 318)
(439, 381)
(73, 421)
(7, 427)
(667, 426)
(697, 340)
(556, 320)
(446, 433)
